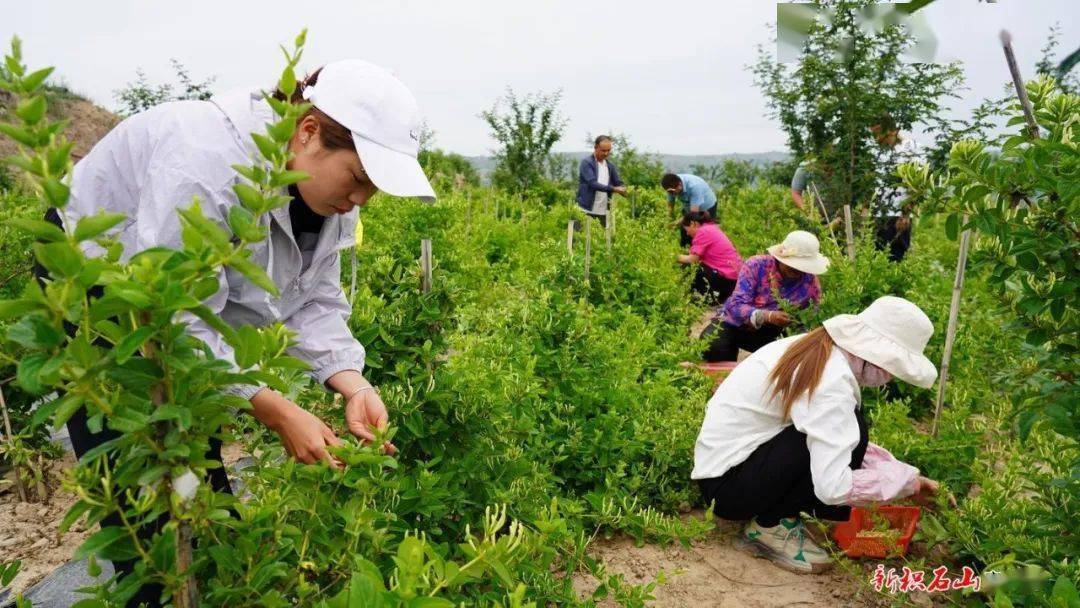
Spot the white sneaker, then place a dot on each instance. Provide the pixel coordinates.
(787, 546)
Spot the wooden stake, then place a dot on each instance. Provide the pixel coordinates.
(187, 595)
(11, 441)
(570, 238)
(950, 331)
(425, 265)
(848, 233)
(588, 247)
(1018, 83)
(824, 212)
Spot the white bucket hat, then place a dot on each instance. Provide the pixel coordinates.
(384, 119)
(802, 251)
(892, 334)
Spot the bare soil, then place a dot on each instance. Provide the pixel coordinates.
(28, 531)
(716, 572)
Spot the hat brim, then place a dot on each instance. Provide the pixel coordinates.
(851, 334)
(393, 172)
(818, 264)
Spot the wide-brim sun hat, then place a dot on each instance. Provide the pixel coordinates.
(892, 334)
(384, 119)
(802, 251)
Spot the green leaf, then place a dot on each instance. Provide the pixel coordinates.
(93, 225)
(286, 178)
(172, 411)
(255, 274)
(243, 224)
(130, 292)
(20, 135)
(8, 572)
(267, 147)
(31, 110)
(34, 80)
(213, 320)
(10, 309)
(1027, 261)
(1065, 594)
(100, 541)
(62, 259)
(430, 602)
(128, 420)
(210, 231)
(39, 229)
(29, 370)
(249, 347)
(250, 197)
(131, 343)
(56, 192)
(952, 226)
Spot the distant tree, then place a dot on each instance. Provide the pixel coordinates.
(527, 128)
(1067, 80)
(141, 95)
(850, 79)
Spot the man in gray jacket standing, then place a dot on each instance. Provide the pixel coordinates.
(598, 179)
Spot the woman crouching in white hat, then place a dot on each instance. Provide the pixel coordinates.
(785, 434)
(751, 316)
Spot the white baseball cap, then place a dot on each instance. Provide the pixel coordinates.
(384, 119)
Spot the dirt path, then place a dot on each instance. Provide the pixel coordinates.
(715, 572)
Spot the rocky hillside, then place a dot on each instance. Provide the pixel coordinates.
(87, 123)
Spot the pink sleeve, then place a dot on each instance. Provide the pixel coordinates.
(882, 478)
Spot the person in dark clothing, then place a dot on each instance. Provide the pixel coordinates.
(598, 180)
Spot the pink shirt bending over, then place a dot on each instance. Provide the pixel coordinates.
(716, 251)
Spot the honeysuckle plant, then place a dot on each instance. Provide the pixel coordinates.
(127, 358)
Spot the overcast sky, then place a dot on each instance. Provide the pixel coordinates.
(670, 74)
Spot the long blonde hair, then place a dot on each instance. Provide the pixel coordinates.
(800, 368)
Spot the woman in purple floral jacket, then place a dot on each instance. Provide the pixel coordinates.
(751, 316)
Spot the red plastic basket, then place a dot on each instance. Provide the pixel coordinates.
(717, 371)
(902, 519)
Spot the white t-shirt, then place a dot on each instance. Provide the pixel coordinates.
(600, 201)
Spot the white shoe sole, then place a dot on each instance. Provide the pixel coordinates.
(780, 560)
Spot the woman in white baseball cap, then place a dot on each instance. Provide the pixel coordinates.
(785, 434)
(360, 136)
(751, 316)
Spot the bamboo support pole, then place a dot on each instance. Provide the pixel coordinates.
(849, 236)
(950, 331)
(11, 441)
(1018, 83)
(570, 237)
(588, 247)
(425, 265)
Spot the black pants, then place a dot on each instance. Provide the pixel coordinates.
(710, 283)
(774, 482)
(83, 439)
(729, 339)
(888, 237)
